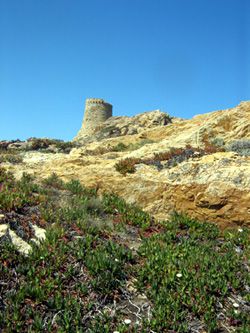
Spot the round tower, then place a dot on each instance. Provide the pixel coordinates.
(96, 112)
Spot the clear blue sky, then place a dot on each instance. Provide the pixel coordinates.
(181, 56)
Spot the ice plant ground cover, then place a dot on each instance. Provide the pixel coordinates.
(107, 266)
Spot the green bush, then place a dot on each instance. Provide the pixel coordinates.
(65, 146)
(15, 195)
(11, 158)
(53, 181)
(128, 214)
(75, 187)
(44, 144)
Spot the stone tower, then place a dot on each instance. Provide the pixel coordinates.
(96, 112)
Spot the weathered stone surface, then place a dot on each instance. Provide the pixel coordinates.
(6, 234)
(20, 244)
(3, 229)
(95, 113)
(40, 234)
(121, 126)
(214, 187)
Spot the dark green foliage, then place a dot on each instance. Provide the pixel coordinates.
(187, 271)
(54, 181)
(6, 176)
(106, 264)
(75, 187)
(128, 214)
(15, 195)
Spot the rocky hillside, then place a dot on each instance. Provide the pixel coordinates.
(199, 166)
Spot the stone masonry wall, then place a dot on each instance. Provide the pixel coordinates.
(96, 112)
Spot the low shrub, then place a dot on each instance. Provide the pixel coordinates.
(65, 146)
(120, 147)
(218, 142)
(127, 165)
(128, 214)
(106, 264)
(44, 144)
(6, 176)
(37, 144)
(209, 148)
(242, 147)
(16, 195)
(171, 158)
(53, 181)
(11, 158)
(75, 187)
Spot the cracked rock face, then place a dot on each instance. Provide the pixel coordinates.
(213, 187)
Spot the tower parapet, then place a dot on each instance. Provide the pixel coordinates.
(96, 112)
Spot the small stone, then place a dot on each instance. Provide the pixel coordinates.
(235, 305)
(116, 260)
(240, 230)
(21, 245)
(179, 275)
(127, 321)
(1, 216)
(3, 229)
(238, 249)
(142, 297)
(40, 233)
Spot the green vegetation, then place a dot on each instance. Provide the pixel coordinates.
(16, 195)
(127, 165)
(188, 272)
(171, 158)
(193, 277)
(44, 143)
(11, 157)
